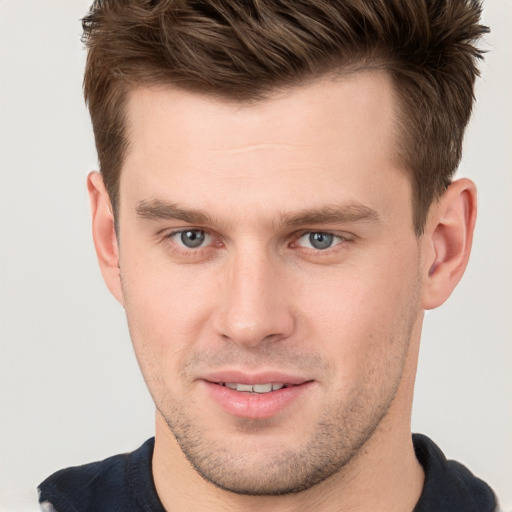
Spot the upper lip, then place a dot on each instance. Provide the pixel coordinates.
(241, 377)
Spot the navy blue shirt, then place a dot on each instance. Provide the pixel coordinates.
(125, 483)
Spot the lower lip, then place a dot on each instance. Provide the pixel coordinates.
(253, 405)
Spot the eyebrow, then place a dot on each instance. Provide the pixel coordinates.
(347, 213)
(156, 209)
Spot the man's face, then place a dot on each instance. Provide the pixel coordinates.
(268, 245)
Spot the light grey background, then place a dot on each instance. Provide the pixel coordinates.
(71, 391)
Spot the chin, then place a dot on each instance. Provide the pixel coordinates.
(255, 462)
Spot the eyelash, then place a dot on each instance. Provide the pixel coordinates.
(183, 251)
(341, 239)
(196, 253)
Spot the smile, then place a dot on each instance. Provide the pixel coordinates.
(255, 388)
(258, 400)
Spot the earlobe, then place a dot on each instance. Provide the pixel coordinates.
(104, 234)
(447, 242)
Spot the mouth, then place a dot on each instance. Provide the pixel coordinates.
(259, 389)
(257, 397)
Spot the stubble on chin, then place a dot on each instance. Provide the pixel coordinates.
(333, 443)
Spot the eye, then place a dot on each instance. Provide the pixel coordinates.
(319, 240)
(191, 238)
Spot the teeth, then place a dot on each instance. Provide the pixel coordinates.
(262, 388)
(256, 388)
(244, 387)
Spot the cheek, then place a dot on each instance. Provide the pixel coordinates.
(363, 318)
(166, 312)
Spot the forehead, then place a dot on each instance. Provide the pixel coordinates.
(337, 104)
(334, 137)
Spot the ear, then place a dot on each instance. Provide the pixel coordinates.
(447, 241)
(104, 234)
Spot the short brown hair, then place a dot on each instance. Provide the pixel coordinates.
(243, 50)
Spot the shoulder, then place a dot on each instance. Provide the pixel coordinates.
(108, 485)
(448, 484)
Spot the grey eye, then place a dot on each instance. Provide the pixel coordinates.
(321, 240)
(192, 238)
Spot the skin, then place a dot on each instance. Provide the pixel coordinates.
(256, 296)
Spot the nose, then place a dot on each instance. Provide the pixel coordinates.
(255, 307)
